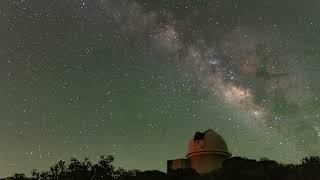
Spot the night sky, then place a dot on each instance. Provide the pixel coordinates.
(136, 79)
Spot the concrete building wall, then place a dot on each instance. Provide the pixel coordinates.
(206, 163)
(176, 164)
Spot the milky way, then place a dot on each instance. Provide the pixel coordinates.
(102, 77)
(234, 64)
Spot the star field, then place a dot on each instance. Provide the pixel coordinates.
(136, 79)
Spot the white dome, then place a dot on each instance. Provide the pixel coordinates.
(208, 142)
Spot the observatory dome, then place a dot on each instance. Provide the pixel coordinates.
(206, 152)
(208, 142)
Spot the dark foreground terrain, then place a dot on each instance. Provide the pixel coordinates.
(234, 168)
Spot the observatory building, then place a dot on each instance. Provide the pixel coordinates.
(206, 152)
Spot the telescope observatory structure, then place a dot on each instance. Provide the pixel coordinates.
(206, 152)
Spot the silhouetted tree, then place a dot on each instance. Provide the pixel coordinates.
(310, 167)
(78, 170)
(103, 169)
(58, 171)
(313, 161)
